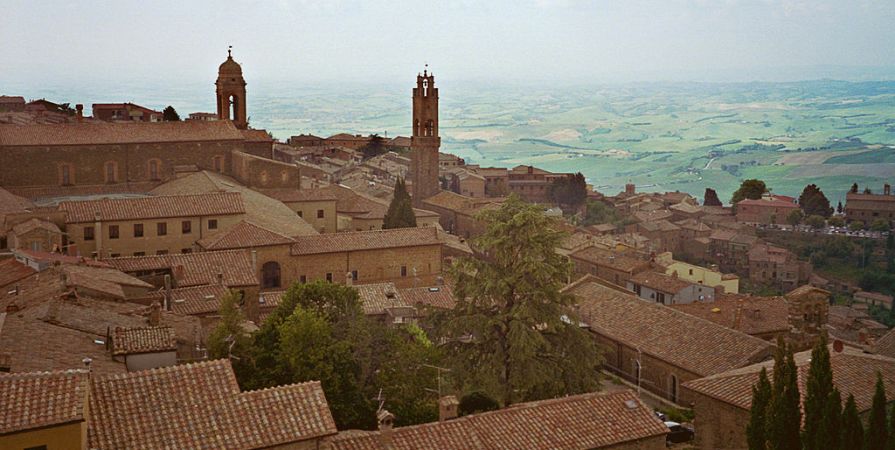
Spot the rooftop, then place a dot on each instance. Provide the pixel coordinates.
(41, 399)
(378, 298)
(757, 315)
(99, 133)
(198, 268)
(245, 234)
(660, 282)
(365, 240)
(108, 209)
(129, 341)
(616, 260)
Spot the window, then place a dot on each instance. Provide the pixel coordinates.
(161, 228)
(88, 233)
(673, 388)
(65, 177)
(186, 250)
(161, 252)
(329, 277)
(660, 298)
(302, 279)
(353, 275)
(300, 214)
(111, 172)
(138, 230)
(319, 213)
(218, 164)
(115, 255)
(139, 253)
(403, 271)
(212, 224)
(186, 227)
(270, 275)
(153, 169)
(113, 231)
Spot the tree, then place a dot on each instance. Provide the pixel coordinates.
(513, 333)
(568, 191)
(856, 225)
(794, 217)
(880, 225)
(477, 402)
(229, 338)
(761, 396)
(854, 188)
(892, 428)
(852, 429)
(711, 198)
(784, 417)
(406, 375)
(400, 211)
(818, 392)
(839, 208)
(375, 147)
(877, 434)
(836, 221)
(170, 115)
(749, 189)
(815, 221)
(830, 432)
(814, 202)
(867, 190)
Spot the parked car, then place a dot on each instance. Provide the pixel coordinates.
(678, 433)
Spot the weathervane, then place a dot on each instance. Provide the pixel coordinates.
(229, 49)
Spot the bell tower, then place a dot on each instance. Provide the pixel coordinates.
(424, 142)
(231, 92)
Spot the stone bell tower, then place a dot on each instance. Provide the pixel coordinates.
(231, 91)
(424, 142)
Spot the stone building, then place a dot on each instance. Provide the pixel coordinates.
(668, 289)
(122, 112)
(231, 93)
(657, 347)
(770, 209)
(425, 141)
(777, 267)
(870, 207)
(608, 264)
(722, 402)
(35, 234)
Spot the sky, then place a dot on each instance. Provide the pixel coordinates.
(514, 40)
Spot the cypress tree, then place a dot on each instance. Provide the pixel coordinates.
(877, 435)
(818, 388)
(852, 430)
(830, 426)
(784, 417)
(892, 429)
(761, 396)
(400, 211)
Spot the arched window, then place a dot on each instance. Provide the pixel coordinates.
(270, 275)
(234, 103)
(154, 165)
(672, 388)
(111, 172)
(416, 128)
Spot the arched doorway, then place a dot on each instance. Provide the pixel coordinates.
(270, 275)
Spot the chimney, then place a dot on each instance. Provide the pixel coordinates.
(155, 314)
(220, 277)
(439, 280)
(167, 294)
(80, 109)
(738, 314)
(386, 420)
(887, 190)
(178, 273)
(447, 408)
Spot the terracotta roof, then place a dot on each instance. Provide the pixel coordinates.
(99, 281)
(198, 268)
(34, 224)
(449, 200)
(300, 195)
(349, 137)
(435, 296)
(854, 372)
(685, 207)
(41, 399)
(259, 208)
(99, 133)
(109, 209)
(659, 225)
(874, 296)
(758, 315)
(609, 258)
(193, 300)
(379, 298)
(12, 271)
(256, 136)
(243, 235)
(200, 406)
(129, 341)
(686, 341)
(593, 420)
(660, 282)
(886, 345)
(770, 202)
(365, 240)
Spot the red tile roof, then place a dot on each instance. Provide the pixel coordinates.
(198, 268)
(12, 271)
(608, 258)
(758, 315)
(365, 240)
(130, 341)
(256, 135)
(660, 282)
(41, 399)
(99, 133)
(109, 209)
(34, 224)
(435, 296)
(243, 235)
(378, 298)
(193, 300)
(300, 195)
(200, 406)
(593, 420)
(686, 341)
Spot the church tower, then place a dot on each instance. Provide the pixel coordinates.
(425, 142)
(231, 90)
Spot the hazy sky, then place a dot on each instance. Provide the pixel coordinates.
(74, 41)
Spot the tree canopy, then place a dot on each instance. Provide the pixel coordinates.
(711, 198)
(513, 334)
(170, 115)
(400, 211)
(814, 202)
(568, 191)
(749, 189)
(375, 147)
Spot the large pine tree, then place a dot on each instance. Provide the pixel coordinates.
(814, 202)
(852, 429)
(400, 211)
(818, 391)
(513, 333)
(877, 434)
(761, 395)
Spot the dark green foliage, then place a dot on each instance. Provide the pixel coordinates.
(710, 198)
(814, 202)
(229, 339)
(815, 221)
(830, 430)
(891, 445)
(784, 417)
(170, 115)
(867, 190)
(526, 343)
(880, 225)
(818, 393)
(400, 211)
(794, 217)
(568, 191)
(749, 189)
(761, 397)
(839, 208)
(598, 212)
(477, 402)
(852, 429)
(877, 435)
(375, 147)
(854, 188)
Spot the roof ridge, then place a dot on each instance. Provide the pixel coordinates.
(282, 387)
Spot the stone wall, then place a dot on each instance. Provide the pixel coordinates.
(254, 171)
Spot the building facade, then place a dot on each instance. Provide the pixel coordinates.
(425, 141)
